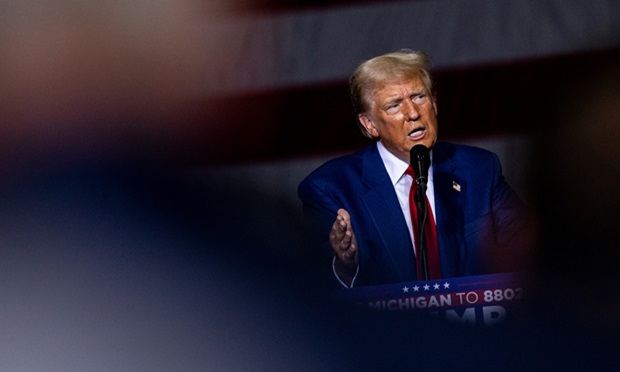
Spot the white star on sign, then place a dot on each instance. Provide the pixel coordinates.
(416, 288)
(405, 289)
(446, 285)
(436, 286)
(426, 287)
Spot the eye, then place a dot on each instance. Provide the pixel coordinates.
(419, 98)
(393, 107)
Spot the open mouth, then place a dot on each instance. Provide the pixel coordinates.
(417, 133)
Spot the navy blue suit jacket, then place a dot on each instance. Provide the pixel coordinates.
(481, 218)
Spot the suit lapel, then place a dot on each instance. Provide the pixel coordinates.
(449, 207)
(384, 210)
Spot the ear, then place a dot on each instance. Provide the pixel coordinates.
(368, 125)
(435, 105)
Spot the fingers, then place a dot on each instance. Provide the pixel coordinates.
(344, 214)
(341, 233)
(342, 239)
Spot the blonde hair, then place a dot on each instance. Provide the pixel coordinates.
(385, 69)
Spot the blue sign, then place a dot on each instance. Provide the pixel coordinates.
(476, 300)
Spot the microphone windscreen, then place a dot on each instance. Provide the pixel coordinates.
(418, 151)
(420, 162)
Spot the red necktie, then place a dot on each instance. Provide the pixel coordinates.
(430, 233)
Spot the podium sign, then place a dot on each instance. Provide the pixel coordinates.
(476, 300)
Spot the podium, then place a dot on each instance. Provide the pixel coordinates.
(477, 300)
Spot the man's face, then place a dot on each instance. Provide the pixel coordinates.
(402, 115)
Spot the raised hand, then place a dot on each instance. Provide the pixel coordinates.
(344, 245)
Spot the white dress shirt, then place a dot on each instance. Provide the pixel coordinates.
(402, 184)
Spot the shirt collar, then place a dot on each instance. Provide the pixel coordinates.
(395, 166)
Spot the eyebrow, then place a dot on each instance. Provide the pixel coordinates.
(399, 98)
(391, 101)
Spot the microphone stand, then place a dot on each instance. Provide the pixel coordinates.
(420, 199)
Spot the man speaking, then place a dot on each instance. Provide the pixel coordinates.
(407, 207)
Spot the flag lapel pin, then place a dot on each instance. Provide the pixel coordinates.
(456, 186)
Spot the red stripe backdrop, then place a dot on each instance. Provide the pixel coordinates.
(317, 119)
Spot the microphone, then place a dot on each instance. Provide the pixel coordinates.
(420, 162)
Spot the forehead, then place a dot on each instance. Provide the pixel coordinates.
(389, 89)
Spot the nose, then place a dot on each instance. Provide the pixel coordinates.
(411, 111)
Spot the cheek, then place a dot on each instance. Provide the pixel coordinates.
(433, 121)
